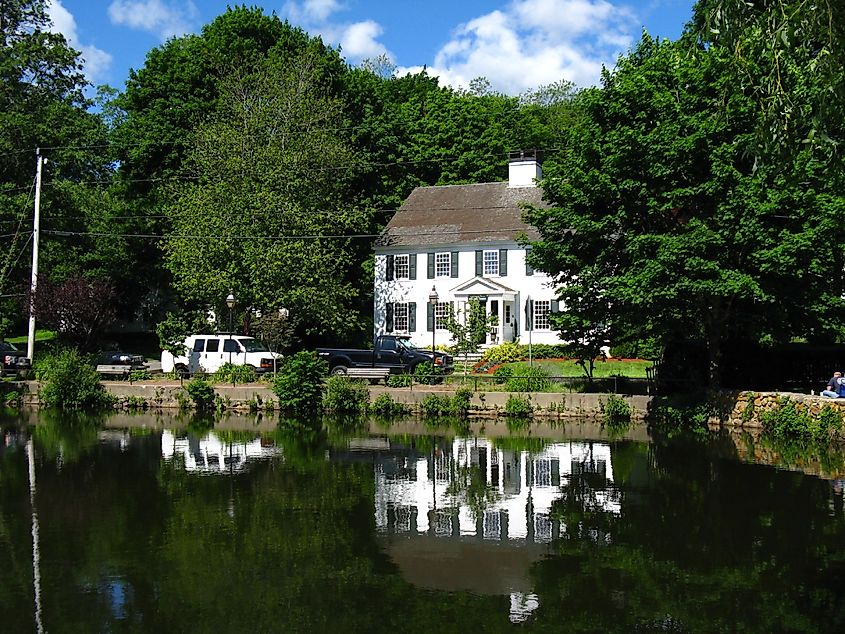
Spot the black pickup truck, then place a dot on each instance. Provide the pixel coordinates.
(14, 361)
(397, 354)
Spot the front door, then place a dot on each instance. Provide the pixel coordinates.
(508, 326)
(496, 330)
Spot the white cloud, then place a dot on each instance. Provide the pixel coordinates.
(530, 43)
(358, 40)
(96, 62)
(311, 11)
(165, 19)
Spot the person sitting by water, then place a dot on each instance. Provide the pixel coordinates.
(834, 386)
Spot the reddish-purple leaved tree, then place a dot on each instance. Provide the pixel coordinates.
(79, 309)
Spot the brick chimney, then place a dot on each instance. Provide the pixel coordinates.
(524, 169)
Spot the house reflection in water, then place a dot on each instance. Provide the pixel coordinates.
(210, 454)
(474, 517)
(472, 488)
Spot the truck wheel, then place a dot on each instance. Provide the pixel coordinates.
(182, 372)
(339, 370)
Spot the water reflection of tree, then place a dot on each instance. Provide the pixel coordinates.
(580, 509)
(701, 544)
(66, 435)
(468, 487)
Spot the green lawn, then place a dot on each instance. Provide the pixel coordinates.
(40, 336)
(631, 369)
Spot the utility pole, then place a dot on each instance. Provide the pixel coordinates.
(36, 227)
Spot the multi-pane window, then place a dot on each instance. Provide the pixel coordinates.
(443, 264)
(400, 317)
(402, 267)
(491, 263)
(442, 311)
(541, 314)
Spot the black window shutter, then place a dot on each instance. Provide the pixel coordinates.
(431, 266)
(412, 315)
(554, 306)
(412, 266)
(430, 317)
(388, 271)
(529, 270)
(388, 321)
(479, 263)
(503, 262)
(454, 264)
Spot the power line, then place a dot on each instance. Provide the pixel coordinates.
(353, 236)
(298, 212)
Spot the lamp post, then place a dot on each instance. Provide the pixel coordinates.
(433, 297)
(230, 302)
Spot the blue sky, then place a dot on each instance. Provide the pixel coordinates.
(517, 44)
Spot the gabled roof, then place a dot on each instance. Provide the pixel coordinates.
(454, 214)
(480, 285)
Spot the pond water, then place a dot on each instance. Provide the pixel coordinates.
(155, 524)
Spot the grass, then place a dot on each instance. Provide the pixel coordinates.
(630, 369)
(40, 336)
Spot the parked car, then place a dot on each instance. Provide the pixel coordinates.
(208, 353)
(397, 354)
(120, 358)
(14, 360)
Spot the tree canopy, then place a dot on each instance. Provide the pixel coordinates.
(667, 210)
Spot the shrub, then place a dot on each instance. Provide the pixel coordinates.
(529, 379)
(399, 380)
(345, 396)
(503, 373)
(508, 352)
(518, 406)
(384, 405)
(140, 375)
(789, 421)
(786, 421)
(461, 401)
(544, 351)
(615, 411)
(201, 392)
(70, 381)
(299, 382)
(235, 374)
(427, 373)
(638, 349)
(435, 405)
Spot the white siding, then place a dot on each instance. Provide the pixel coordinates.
(537, 286)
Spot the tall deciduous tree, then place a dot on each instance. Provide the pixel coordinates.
(41, 105)
(791, 55)
(664, 204)
(267, 216)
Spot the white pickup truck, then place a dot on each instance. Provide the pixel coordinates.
(207, 353)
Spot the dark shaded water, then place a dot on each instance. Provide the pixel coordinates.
(264, 530)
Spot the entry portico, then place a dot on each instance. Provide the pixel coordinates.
(497, 299)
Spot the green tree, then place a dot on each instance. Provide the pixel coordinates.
(266, 215)
(41, 106)
(791, 56)
(665, 207)
(469, 328)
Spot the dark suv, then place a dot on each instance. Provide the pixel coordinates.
(14, 360)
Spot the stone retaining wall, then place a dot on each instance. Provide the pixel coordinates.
(160, 394)
(745, 409)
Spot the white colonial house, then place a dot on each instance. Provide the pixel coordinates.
(461, 241)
